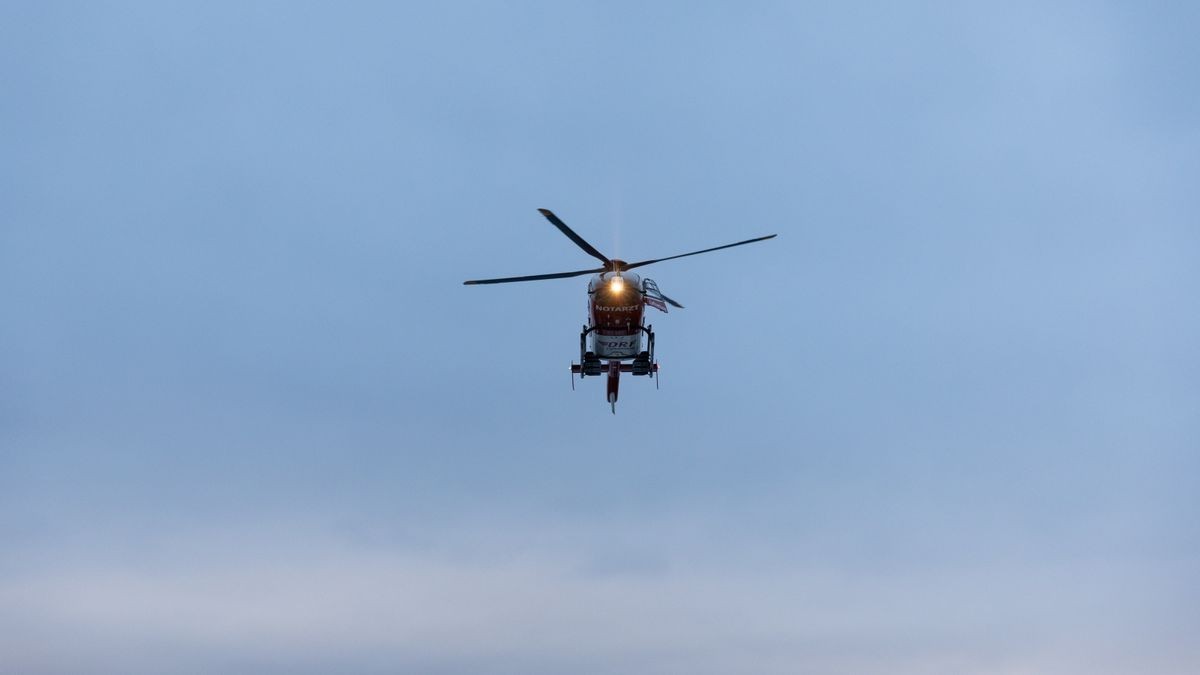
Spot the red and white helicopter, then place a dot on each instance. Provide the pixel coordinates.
(616, 321)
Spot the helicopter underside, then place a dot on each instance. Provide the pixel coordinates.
(593, 364)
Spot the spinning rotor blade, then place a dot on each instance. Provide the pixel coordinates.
(562, 227)
(533, 277)
(684, 255)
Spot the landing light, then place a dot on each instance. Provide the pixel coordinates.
(617, 285)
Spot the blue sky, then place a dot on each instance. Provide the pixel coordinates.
(251, 421)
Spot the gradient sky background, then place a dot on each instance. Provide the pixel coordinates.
(251, 421)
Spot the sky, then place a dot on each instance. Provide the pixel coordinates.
(252, 422)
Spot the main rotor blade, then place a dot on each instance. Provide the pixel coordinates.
(562, 227)
(684, 255)
(672, 302)
(532, 277)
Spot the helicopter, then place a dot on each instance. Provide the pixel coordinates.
(616, 323)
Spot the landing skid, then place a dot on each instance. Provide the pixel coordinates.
(590, 365)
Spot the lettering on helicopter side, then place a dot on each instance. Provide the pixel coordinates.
(626, 308)
(617, 345)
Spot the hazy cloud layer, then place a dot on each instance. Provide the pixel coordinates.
(258, 602)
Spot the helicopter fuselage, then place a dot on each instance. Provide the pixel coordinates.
(616, 311)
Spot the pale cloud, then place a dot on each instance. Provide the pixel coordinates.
(219, 602)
